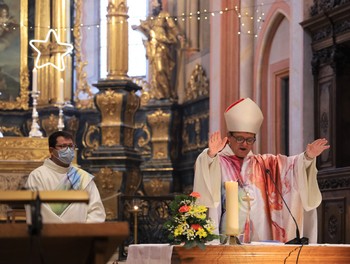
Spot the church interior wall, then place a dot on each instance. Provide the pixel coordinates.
(278, 54)
(272, 21)
(297, 77)
(308, 91)
(217, 49)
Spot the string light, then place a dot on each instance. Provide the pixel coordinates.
(183, 17)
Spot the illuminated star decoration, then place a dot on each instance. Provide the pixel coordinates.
(69, 48)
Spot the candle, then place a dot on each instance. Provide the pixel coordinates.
(34, 81)
(231, 188)
(61, 92)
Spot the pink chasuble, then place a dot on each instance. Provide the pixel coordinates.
(264, 219)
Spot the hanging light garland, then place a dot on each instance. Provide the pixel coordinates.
(198, 15)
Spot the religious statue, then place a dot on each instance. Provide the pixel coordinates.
(162, 36)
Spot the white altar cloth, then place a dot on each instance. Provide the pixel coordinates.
(149, 254)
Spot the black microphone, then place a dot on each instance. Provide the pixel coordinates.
(297, 240)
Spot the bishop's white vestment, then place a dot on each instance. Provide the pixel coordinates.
(259, 176)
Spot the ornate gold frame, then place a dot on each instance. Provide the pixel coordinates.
(22, 100)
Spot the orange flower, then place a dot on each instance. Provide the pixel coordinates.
(196, 226)
(195, 194)
(184, 209)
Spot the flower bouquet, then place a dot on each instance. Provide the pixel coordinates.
(189, 223)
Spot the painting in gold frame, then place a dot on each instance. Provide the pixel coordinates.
(14, 79)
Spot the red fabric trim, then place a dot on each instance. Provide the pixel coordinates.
(232, 105)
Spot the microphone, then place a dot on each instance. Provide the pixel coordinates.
(297, 240)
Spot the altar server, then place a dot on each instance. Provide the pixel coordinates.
(57, 173)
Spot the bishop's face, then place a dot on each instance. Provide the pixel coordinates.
(241, 143)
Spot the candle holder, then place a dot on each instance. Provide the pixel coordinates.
(60, 125)
(233, 240)
(35, 129)
(135, 211)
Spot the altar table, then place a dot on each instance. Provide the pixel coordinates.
(249, 253)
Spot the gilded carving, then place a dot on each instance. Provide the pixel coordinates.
(88, 140)
(133, 181)
(15, 131)
(117, 7)
(144, 93)
(157, 186)
(143, 142)
(10, 154)
(72, 125)
(20, 148)
(109, 183)
(11, 181)
(110, 104)
(198, 84)
(131, 107)
(110, 136)
(49, 124)
(159, 123)
(145, 97)
(193, 124)
(82, 86)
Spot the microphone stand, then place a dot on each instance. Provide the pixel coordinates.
(297, 240)
(37, 224)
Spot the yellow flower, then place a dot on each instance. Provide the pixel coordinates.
(210, 227)
(201, 233)
(180, 229)
(190, 234)
(198, 211)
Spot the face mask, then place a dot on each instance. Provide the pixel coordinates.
(66, 155)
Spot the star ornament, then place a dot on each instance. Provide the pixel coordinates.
(67, 46)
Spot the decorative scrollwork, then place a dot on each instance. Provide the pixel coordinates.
(191, 133)
(90, 139)
(12, 131)
(198, 84)
(83, 89)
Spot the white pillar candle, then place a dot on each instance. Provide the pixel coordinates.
(61, 92)
(231, 188)
(34, 81)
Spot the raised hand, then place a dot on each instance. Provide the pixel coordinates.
(315, 148)
(216, 143)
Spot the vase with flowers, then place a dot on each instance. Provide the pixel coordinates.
(188, 223)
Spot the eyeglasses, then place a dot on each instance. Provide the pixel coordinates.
(65, 146)
(240, 139)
